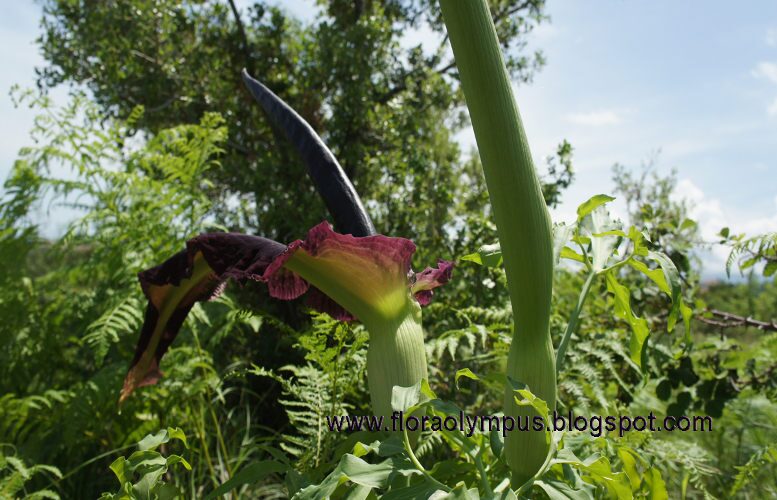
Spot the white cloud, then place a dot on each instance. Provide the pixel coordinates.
(772, 109)
(766, 70)
(711, 216)
(707, 212)
(595, 118)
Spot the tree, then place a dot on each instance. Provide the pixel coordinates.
(388, 112)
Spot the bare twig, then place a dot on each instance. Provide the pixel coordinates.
(243, 38)
(402, 86)
(730, 320)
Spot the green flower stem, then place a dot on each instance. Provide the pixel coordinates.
(396, 356)
(522, 219)
(572, 324)
(418, 465)
(484, 483)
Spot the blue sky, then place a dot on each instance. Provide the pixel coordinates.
(695, 80)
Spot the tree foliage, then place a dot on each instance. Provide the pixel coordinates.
(167, 144)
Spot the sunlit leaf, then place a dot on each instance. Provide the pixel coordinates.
(561, 235)
(639, 327)
(466, 373)
(592, 203)
(558, 490)
(604, 233)
(487, 255)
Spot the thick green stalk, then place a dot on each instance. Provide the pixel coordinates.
(521, 217)
(396, 356)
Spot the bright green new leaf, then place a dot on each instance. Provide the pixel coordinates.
(467, 373)
(588, 206)
(657, 485)
(639, 327)
(568, 253)
(600, 472)
(152, 441)
(487, 255)
(629, 461)
(119, 468)
(525, 397)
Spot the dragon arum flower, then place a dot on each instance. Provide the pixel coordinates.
(366, 278)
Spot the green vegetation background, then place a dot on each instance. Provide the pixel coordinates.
(167, 143)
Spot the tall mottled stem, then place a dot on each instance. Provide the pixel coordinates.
(522, 219)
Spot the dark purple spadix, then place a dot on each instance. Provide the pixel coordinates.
(328, 176)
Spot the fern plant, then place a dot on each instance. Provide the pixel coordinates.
(15, 475)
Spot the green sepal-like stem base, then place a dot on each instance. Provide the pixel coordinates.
(535, 366)
(396, 356)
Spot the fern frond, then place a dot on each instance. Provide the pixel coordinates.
(750, 251)
(123, 318)
(750, 471)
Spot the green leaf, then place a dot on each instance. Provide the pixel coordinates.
(497, 442)
(568, 253)
(177, 433)
(360, 472)
(523, 396)
(147, 483)
(164, 491)
(177, 459)
(667, 278)
(561, 235)
(599, 471)
(391, 447)
(146, 459)
(460, 492)
(119, 468)
(152, 441)
(403, 398)
(558, 490)
(356, 470)
(527, 398)
(588, 206)
(467, 373)
(639, 327)
(638, 238)
(604, 233)
(250, 474)
(688, 224)
(629, 461)
(487, 255)
(672, 286)
(655, 275)
(656, 484)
